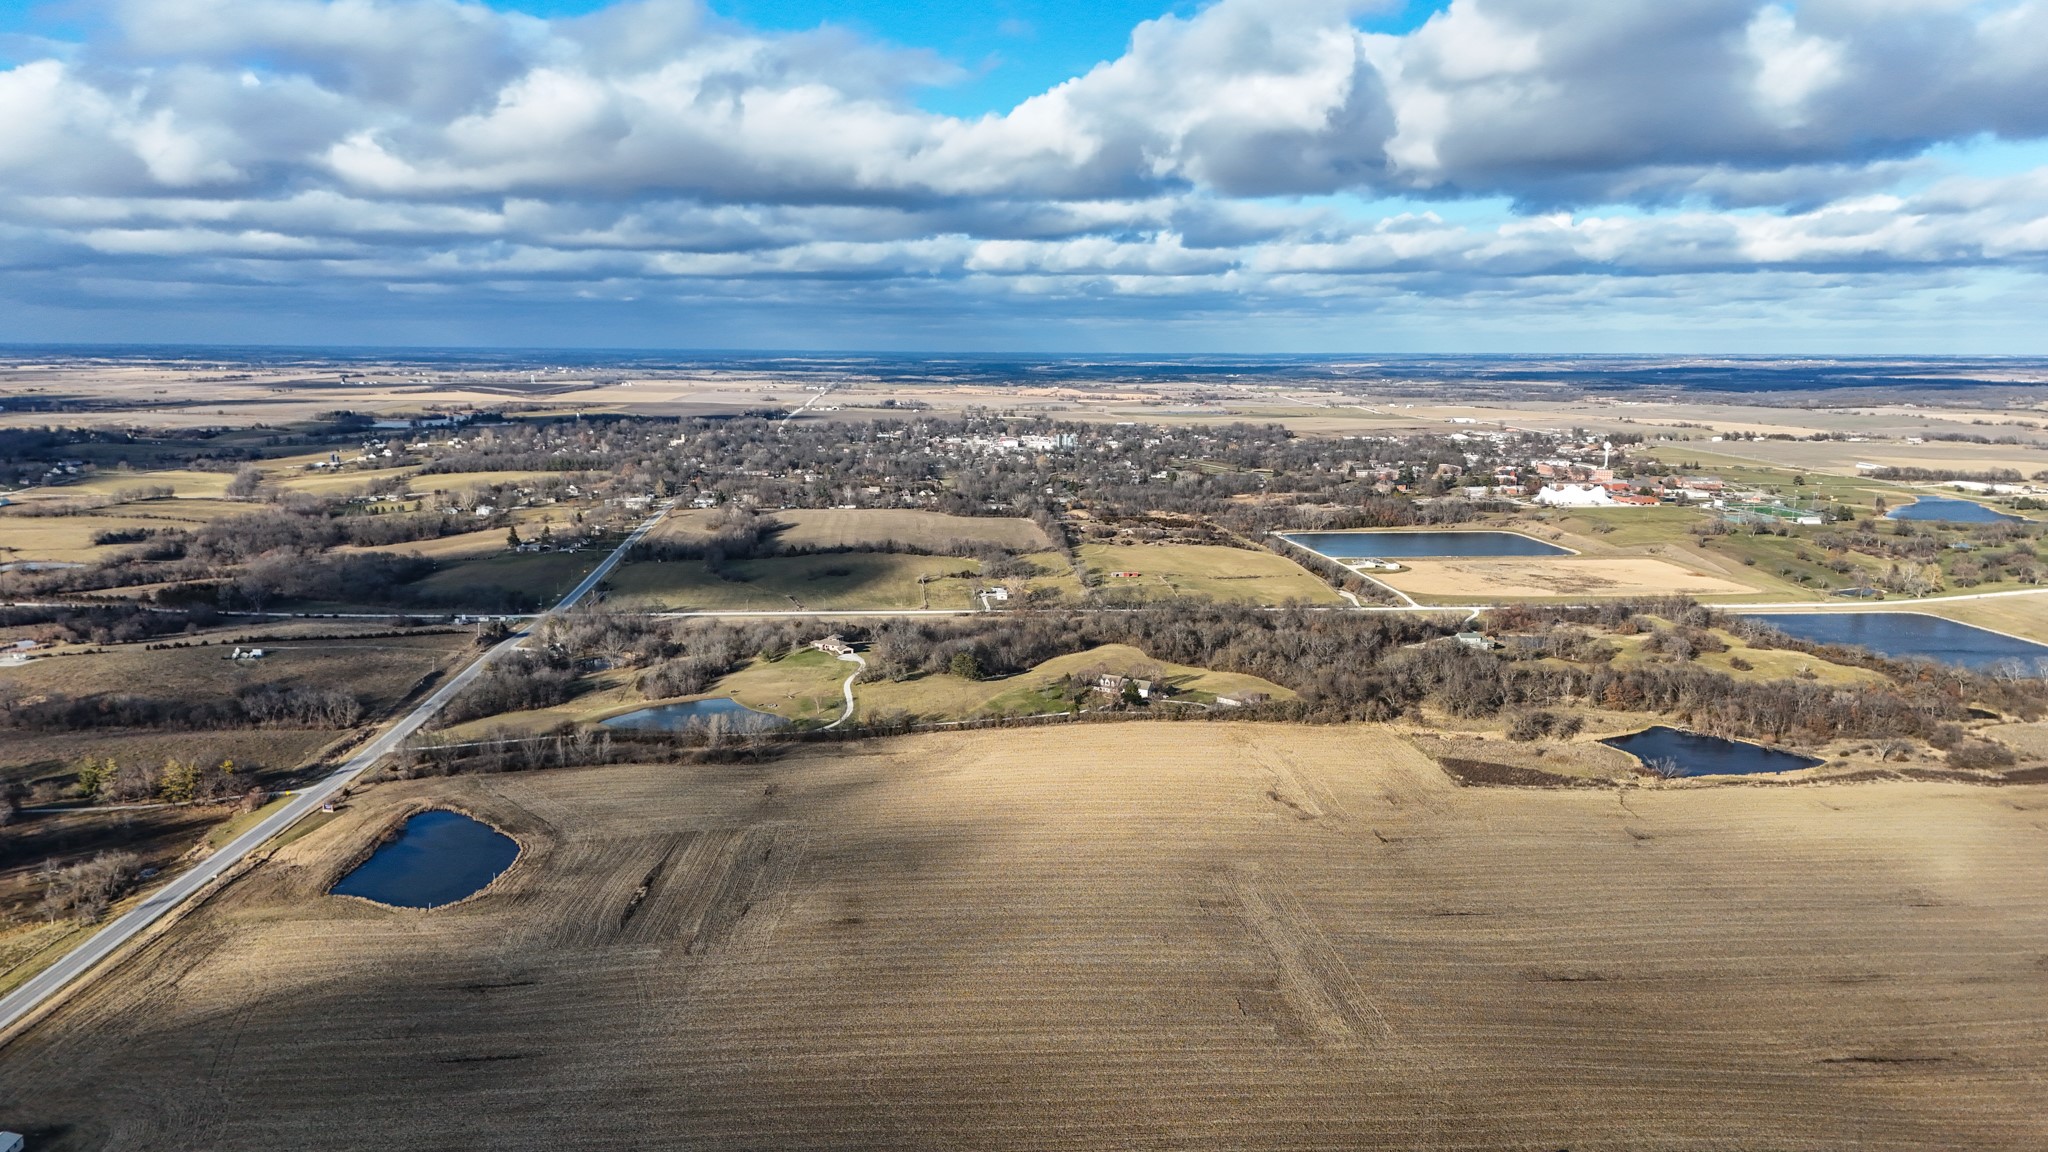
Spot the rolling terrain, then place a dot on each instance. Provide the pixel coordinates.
(1106, 937)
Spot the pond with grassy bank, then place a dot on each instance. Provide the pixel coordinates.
(438, 858)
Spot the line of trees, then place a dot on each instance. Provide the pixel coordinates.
(254, 705)
(111, 624)
(1343, 666)
(1943, 475)
(102, 779)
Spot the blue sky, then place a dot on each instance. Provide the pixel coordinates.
(1007, 51)
(1270, 175)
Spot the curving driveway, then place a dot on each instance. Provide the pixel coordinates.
(847, 688)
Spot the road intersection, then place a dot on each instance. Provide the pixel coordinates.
(25, 1000)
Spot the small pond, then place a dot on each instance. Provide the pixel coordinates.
(735, 716)
(1697, 755)
(1421, 545)
(439, 858)
(1905, 635)
(1950, 509)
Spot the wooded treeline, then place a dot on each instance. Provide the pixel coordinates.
(254, 705)
(1347, 665)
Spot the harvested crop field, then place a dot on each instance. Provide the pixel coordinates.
(54, 756)
(833, 580)
(381, 669)
(1562, 576)
(69, 539)
(879, 529)
(376, 671)
(1132, 936)
(489, 583)
(906, 527)
(1170, 571)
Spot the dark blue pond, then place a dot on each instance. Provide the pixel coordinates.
(1695, 755)
(736, 717)
(1420, 545)
(439, 858)
(1949, 509)
(1904, 635)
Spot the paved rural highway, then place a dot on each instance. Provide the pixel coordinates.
(1891, 604)
(27, 998)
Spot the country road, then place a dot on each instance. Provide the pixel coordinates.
(1900, 604)
(25, 1000)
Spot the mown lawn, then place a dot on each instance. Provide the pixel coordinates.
(801, 686)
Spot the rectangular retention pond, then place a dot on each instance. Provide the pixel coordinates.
(1371, 545)
(1910, 635)
(1676, 752)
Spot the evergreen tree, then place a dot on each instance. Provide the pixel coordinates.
(93, 774)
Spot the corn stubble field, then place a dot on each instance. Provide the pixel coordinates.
(1190, 935)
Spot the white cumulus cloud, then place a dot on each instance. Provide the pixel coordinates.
(1267, 152)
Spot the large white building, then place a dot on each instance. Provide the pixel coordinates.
(1574, 496)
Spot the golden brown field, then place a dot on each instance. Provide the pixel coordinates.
(379, 668)
(1170, 571)
(1139, 936)
(2022, 616)
(828, 580)
(52, 757)
(881, 528)
(870, 527)
(69, 539)
(379, 671)
(1471, 580)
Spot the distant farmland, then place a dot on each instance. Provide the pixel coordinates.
(1169, 571)
(379, 672)
(830, 580)
(904, 527)
(1152, 936)
(878, 528)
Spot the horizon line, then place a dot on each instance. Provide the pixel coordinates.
(144, 346)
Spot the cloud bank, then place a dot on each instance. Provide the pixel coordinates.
(373, 165)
